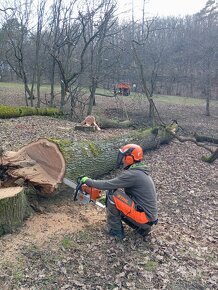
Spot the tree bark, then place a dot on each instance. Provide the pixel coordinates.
(108, 123)
(202, 138)
(14, 208)
(96, 158)
(42, 163)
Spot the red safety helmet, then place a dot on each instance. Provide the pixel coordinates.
(129, 154)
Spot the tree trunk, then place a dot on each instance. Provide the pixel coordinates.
(110, 123)
(208, 106)
(92, 97)
(42, 165)
(14, 208)
(96, 158)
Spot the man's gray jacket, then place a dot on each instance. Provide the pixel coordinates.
(137, 184)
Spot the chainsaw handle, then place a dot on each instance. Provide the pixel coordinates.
(79, 185)
(79, 178)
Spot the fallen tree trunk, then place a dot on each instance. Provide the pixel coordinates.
(14, 208)
(108, 123)
(96, 158)
(42, 163)
(213, 151)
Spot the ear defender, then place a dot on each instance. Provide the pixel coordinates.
(129, 160)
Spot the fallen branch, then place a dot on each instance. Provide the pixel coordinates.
(211, 158)
(202, 138)
(172, 129)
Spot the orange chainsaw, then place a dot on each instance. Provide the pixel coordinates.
(84, 193)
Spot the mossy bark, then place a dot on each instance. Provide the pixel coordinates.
(96, 158)
(14, 208)
(108, 123)
(201, 138)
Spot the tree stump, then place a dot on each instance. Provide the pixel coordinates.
(14, 208)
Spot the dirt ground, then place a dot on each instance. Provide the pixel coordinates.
(65, 247)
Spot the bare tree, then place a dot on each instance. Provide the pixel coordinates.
(207, 20)
(97, 49)
(16, 31)
(37, 71)
(70, 42)
(147, 62)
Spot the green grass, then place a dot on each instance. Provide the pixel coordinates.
(4, 85)
(176, 100)
(67, 242)
(179, 100)
(151, 265)
(20, 86)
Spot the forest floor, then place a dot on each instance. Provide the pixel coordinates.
(65, 247)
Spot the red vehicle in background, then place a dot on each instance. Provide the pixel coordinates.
(123, 89)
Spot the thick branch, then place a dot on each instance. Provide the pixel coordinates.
(214, 154)
(202, 138)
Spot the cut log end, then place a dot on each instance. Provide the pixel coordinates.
(40, 163)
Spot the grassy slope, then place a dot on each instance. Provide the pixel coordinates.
(18, 87)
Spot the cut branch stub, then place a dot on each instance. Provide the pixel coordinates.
(41, 163)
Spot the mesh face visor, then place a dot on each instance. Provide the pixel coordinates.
(121, 155)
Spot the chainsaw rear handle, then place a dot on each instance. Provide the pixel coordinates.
(78, 187)
(79, 178)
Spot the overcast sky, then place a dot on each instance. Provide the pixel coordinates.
(162, 7)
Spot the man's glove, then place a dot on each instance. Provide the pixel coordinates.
(83, 179)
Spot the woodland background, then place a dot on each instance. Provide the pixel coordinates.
(77, 44)
(70, 58)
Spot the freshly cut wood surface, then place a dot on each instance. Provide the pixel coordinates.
(40, 163)
(9, 192)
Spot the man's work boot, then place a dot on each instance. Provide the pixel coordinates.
(143, 232)
(115, 233)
